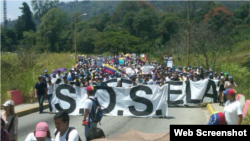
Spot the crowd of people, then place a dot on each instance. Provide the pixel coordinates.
(88, 72)
(63, 131)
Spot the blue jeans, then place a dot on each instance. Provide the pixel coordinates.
(49, 96)
(40, 101)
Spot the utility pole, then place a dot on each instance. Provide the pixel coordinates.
(5, 13)
(75, 39)
(75, 20)
(188, 38)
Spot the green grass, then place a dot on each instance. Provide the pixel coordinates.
(21, 72)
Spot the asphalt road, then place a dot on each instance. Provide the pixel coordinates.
(113, 126)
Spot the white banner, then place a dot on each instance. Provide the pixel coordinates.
(170, 62)
(139, 101)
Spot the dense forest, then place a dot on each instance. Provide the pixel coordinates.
(158, 27)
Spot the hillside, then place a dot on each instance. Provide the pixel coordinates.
(97, 7)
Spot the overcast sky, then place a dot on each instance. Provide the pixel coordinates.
(13, 10)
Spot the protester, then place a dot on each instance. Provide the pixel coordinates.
(11, 120)
(119, 83)
(41, 133)
(230, 83)
(100, 81)
(50, 93)
(232, 109)
(133, 79)
(95, 133)
(40, 92)
(45, 75)
(65, 80)
(59, 75)
(63, 131)
(87, 121)
(4, 133)
(221, 89)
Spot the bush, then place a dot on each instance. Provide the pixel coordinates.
(240, 75)
(246, 120)
(21, 70)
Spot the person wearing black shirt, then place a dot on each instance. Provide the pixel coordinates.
(175, 77)
(40, 92)
(133, 79)
(100, 82)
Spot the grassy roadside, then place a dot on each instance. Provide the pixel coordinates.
(21, 71)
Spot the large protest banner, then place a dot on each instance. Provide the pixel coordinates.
(139, 101)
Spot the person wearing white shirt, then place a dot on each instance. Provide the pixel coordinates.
(87, 121)
(59, 75)
(232, 109)
(63, 130)
(50, 93)
(41, 133)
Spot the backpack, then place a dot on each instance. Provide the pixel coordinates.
(96, 111)
(67, 136)
(11, 123)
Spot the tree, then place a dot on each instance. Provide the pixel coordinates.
(24, 22)
(51, 27)
(168, 26)
(8, 39)
(123, 8)
(218, 17)
(207, 45)
(243, 12)
(41, 7)
(116, 42)
(144, 23)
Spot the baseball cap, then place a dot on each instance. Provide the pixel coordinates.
(231, 92)
(230, 77)
(45, 70)
(226, 91)
(90, 88)
(222, 77)
(8, 103)
(41, 129)
(217, 119)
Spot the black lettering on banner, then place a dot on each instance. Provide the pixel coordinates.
(210, 83)
(188, 94)
(145, 101)
(112, 98)
(179, 92)
(63, 97)
(214, 94)
(110, 81)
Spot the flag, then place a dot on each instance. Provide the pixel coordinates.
(122, 55)
(140, 61)
(121, 61)
(128, 55)
(145, 58)
(109, 69)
